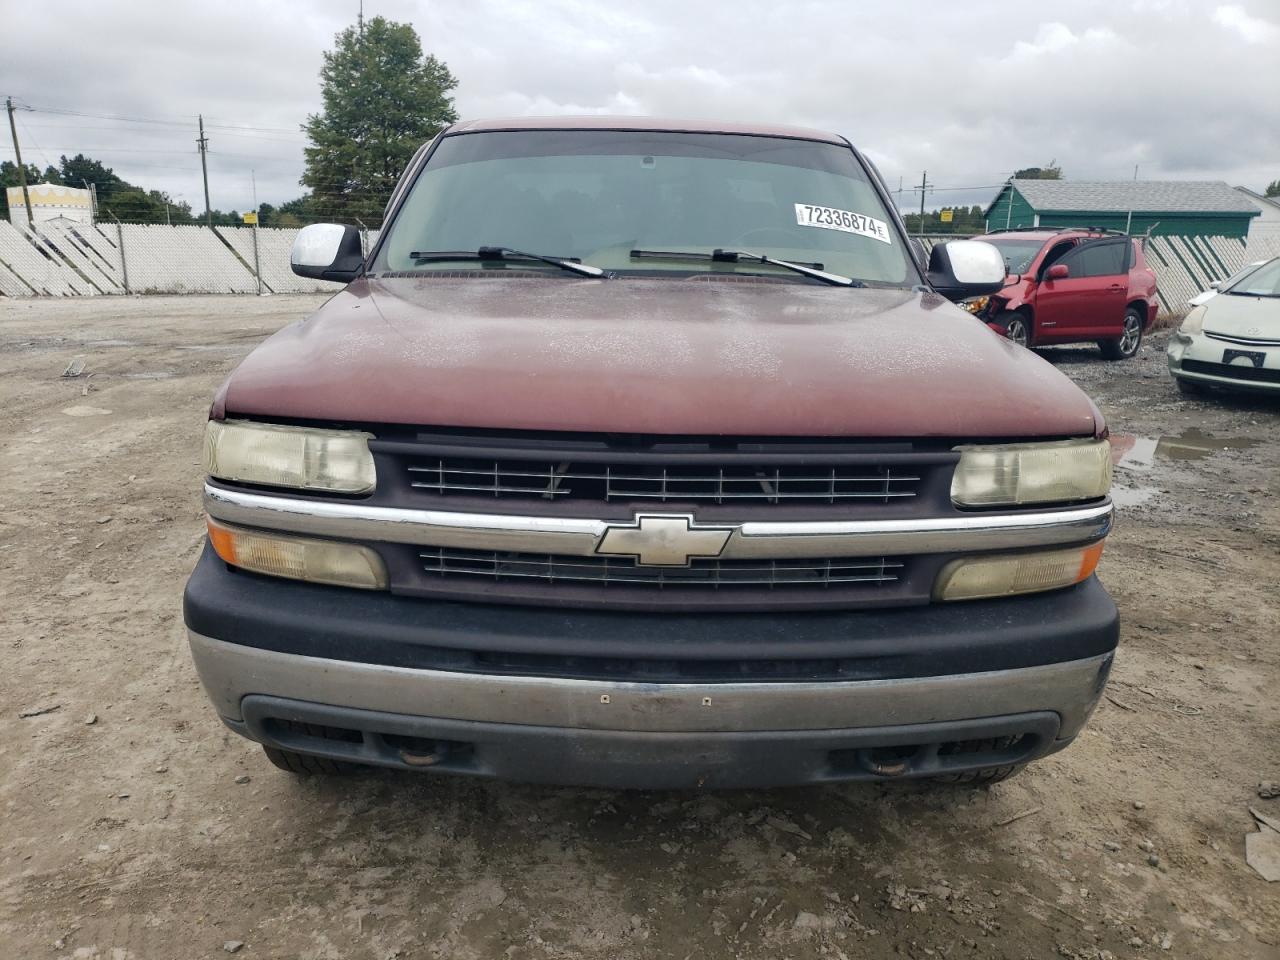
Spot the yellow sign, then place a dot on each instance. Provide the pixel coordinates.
(251, 218)
(945, 216)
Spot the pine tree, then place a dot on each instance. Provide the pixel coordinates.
(382, 100)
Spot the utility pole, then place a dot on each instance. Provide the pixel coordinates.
(257, 264)
(22, 171)
(924, 188)
(92, 189)
(203, 144)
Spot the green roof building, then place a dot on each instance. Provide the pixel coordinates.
(1205, 208)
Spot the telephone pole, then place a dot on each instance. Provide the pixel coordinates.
(925, 187)
(203, 144)
(22, 171)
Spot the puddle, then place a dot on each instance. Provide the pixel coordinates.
(1139, 454)
(1131, 496)
(83, 411)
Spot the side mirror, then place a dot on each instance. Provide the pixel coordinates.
(1059, 271)
(327, 251)
(960, 269)
(1215, 284)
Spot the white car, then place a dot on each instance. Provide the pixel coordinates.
(1204, 296)
(1232, 339)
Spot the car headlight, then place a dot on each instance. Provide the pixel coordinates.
(976, 304)
(337, 461)
(1014, 474)
(1002, 576)
(298, 558)
(1193, 323)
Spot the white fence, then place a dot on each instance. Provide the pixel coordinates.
(64, 259)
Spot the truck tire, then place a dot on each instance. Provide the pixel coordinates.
(986, 775)
(1015, 327)
(302, 764)
(1127, 344)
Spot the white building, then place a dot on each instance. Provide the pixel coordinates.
(1265, 228)
(50, 201)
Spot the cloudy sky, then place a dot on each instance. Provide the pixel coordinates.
(969, 91)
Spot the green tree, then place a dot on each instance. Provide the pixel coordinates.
(383, 98)
(1051, 172)
(9, 178)
(1273, 189)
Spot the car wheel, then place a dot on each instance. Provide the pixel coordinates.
(1129, 340)
(304, 764)
(985, 775)
(1015, 327)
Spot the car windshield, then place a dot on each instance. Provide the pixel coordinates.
(598, 195)
(1262, 282)
(1017, 254)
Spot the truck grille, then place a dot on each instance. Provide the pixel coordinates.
(861, 572)
(692, 483)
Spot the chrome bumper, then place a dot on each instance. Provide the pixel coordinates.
(230, 672)
(571, 536)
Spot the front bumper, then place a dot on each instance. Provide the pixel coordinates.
(538, 694)
(1224, 363)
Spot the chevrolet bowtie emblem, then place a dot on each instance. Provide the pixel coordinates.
(663, 540)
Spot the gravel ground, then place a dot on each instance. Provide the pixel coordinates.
(135, 826)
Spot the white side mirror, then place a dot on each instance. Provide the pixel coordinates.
(327, 251)
(966, 268)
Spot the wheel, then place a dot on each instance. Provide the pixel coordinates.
(1189, 388)
(1129, 341)
(303, 764)
(1016, 327)
(986, 775)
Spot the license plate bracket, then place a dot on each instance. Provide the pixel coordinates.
(1254, 357)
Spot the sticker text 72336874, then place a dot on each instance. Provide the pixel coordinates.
(846, 221)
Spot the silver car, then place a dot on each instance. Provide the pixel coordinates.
(1232, 339)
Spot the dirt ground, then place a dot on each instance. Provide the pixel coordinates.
(133, 825)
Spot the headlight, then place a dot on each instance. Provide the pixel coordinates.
(1013, 474)
(976, 305)
(1194, 322)
(1004, 576)
(334, 460)
(298, 558)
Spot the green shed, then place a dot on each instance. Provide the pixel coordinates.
(1164, 207)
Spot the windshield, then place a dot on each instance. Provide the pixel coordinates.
(1017, 254)
(598, 195)
(1262, 282)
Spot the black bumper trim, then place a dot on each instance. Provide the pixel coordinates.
(632, 760)
(380, 628)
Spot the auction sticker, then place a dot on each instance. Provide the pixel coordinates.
(846, 221)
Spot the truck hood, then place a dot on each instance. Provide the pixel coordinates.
(654, 356)
(1256, 318)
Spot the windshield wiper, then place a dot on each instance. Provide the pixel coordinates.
(505, 253)
(739, 256)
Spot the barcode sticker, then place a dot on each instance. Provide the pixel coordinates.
(846, 221)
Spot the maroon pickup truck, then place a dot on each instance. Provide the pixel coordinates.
(650, 454)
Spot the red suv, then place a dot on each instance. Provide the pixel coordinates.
(1067, 286)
